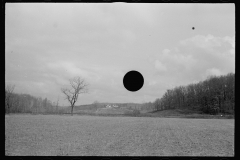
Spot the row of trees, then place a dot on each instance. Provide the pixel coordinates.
(25, 103)
(214, 95)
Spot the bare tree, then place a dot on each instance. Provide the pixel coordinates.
(8, 96)
(78, 86)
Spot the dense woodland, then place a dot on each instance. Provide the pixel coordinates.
(214, 95)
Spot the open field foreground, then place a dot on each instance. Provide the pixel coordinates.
(117, 136)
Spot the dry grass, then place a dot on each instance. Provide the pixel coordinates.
(52, 135)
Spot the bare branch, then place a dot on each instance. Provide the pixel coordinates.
(10, 88)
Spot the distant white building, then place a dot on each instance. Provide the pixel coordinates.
(113, 106)
(108, 106)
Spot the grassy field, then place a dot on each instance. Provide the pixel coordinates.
(173, 113)
(52, 135)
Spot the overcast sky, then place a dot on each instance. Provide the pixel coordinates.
(47, 44)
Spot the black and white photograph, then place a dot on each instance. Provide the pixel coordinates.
(120, 79)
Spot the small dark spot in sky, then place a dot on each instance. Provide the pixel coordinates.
(193, 28)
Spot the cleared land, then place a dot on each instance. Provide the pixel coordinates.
(125, 110)
(117, 136)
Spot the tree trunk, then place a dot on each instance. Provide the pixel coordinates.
(71, 110)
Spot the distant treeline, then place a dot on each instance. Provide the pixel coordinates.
(25, 103)
(212, 96)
